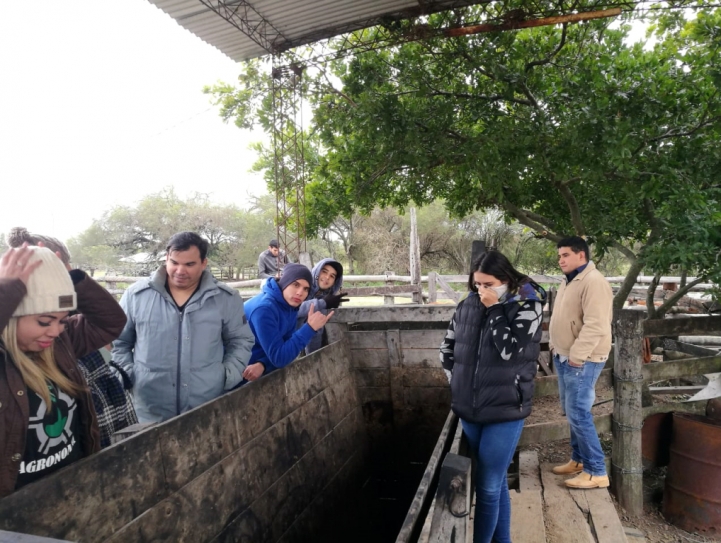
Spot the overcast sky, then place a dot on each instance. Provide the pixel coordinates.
(101, 104)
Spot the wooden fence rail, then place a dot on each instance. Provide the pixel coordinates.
(437, 286)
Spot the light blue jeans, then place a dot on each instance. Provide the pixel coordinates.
(577, 392)
(493, 446)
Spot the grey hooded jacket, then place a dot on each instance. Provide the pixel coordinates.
(315, 299)
(178, 361)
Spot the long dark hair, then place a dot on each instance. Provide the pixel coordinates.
(496, 264)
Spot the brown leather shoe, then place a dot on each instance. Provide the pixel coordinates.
(569, 468)
(587, 481)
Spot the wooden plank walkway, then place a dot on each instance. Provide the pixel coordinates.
(546, 511)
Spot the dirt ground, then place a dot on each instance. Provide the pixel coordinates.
(655, 528)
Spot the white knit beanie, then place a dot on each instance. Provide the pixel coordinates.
(50, 288)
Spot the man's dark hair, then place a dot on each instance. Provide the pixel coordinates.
(496, 264)
(577, 244)
(182, 241)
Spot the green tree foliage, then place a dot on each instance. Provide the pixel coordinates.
(566, 129)
(235, 236)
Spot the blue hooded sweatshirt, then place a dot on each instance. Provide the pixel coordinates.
(315, 298)
(273, 323)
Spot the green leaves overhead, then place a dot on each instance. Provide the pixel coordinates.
(567, 128)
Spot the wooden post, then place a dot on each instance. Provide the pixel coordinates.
(452, 294)
(478, 247)
(388, 300)
(415, 259)
(626, 463)
(112, 288)
(432, 293)
(395, 363)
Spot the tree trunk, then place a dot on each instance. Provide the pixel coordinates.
(627, 285)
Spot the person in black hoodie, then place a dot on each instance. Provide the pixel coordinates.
(490, 355)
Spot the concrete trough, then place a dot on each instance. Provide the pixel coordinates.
(331, 448)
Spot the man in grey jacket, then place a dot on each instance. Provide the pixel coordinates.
(187, 339)
(271, 261)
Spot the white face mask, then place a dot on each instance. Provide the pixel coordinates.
(500, 290)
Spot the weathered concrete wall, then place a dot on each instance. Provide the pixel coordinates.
(264, 463)
(403, 390)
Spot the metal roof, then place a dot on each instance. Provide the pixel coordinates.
(245, 29)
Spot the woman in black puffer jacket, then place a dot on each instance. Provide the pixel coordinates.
(490, 355)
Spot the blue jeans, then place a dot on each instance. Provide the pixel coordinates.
(493, 446)
(577, 392)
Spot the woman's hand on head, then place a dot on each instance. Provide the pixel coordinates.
(488, 296)
(15, 264)
(59, 255)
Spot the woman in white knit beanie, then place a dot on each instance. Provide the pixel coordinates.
(47, 419)
(113, 402)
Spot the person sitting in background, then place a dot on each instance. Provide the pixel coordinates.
(272, 316)
(325, 293)
(113, 404)
(47, 419)
(271, 261)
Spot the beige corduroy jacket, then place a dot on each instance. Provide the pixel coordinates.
(581, 320)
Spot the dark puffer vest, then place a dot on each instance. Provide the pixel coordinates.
(495, 354)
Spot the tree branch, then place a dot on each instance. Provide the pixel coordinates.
(337, 91)
(529, 95)
(492, 98)
(676, 133)
(673, 133)
(524, 218)
(634, 270)
(450, 133)
(553, 53)
(541, 219)
(620, 298)
(572, 203)
(691, 132)
(625, 251)
(650, 291)
(474, 62)
(669, 302)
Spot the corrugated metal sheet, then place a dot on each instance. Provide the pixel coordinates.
(280, 25)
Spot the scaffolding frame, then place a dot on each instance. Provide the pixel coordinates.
(289, 157)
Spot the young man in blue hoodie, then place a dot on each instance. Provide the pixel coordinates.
(272, 317)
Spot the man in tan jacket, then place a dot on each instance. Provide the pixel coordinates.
(580, 338)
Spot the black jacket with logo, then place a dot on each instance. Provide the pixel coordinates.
(492, 354)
